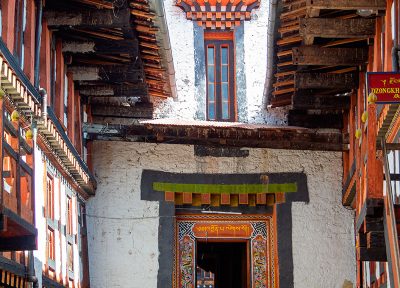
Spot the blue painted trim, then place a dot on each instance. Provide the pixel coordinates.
(19, 72)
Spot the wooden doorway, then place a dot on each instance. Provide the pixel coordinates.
(225, 264)
(246, 244)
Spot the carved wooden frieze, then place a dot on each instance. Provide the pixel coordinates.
(218, 14)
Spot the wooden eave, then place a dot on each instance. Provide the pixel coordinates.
(26, 100)
(321, 43)
(122, 43)
(222, 134)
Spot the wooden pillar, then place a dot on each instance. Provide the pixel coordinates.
(8, 17)
(377, 66)
(78, 122)
(71, 108)
(388, 37)
(45, 61)
(29, 40)
(60, 76)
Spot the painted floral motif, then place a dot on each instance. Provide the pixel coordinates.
(186, 262)
(259, 246)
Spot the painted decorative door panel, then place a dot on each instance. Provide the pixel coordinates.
(257, 230)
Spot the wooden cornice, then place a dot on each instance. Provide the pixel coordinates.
(218, 14)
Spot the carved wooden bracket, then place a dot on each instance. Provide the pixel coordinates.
(218, 14)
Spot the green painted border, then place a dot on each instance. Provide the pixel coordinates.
(225, 188)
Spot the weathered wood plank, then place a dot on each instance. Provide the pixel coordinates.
(102, 47)
(140, 110)
(314, 55)
(337, 28)
(88, 18)
(371, 254)
(347, 4)
(267, 137)
(306, 102)
(112, 90)
(303, 119)
(375, 239)
(325, 81)
(117, 74)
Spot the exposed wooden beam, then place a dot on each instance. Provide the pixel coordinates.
(347, 4)
(326, 81)
(305, 102)
(112, 90)
(101, 47)
(303, 119)
(371, 254)
(268, 137)
(113, 101)
(337, 28)
(314, 55)
(140, 110)
(88, 18)
(117, 73)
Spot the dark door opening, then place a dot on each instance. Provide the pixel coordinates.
(221, 265)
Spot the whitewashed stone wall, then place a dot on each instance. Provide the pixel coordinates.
(255, 50)
(123, 230)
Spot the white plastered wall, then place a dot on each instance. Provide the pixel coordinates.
(255, 66)
(60, 199)
(123, 230)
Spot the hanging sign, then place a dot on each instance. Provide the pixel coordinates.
(385, 85)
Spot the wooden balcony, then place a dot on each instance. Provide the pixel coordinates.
(17, 230)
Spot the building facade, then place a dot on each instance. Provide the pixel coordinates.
(179, 143)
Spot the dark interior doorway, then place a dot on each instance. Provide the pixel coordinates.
(221, 265)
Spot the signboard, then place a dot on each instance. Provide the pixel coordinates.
(228, 230)
(385, 85)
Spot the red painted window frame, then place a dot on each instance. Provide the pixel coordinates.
(218, 41)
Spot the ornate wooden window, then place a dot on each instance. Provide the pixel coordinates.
(220, 75)
(50, 197)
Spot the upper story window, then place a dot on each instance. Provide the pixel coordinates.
(51, 250)
(50, 197)
(69, 215)
(220, 76)
(70, 255)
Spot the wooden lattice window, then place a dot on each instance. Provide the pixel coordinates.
(220, 75)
